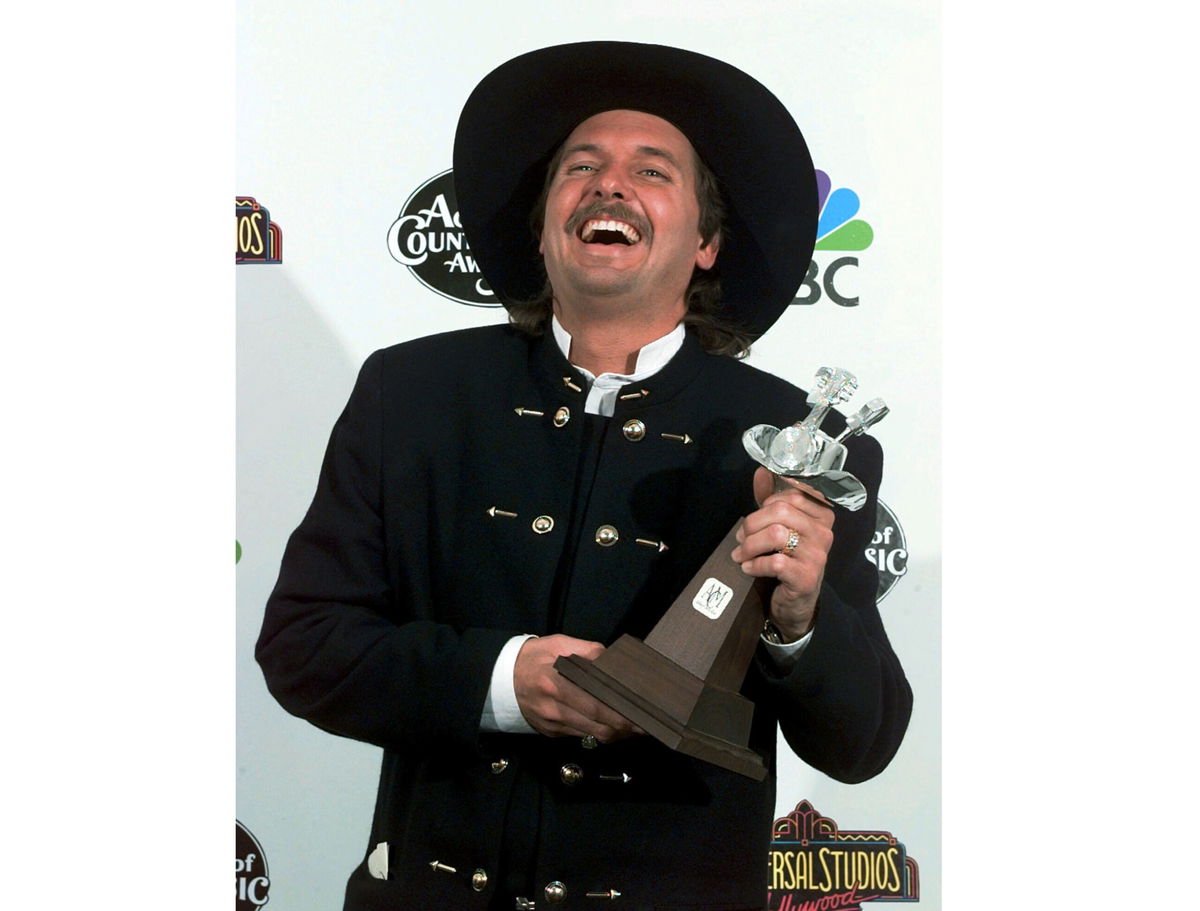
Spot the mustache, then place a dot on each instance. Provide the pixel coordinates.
(614, 210)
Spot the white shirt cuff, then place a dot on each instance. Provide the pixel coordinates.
(501, 713)
(787, 655)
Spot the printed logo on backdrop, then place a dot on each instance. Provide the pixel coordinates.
(427, 237)
(888, 550)
(837, 230)
(253, 879)
(817, 867)
(259, 240)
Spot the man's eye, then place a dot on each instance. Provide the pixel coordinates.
(581, 167)
(650, 172)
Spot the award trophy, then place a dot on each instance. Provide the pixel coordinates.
(681, 684)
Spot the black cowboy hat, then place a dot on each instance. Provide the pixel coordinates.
(522, 111)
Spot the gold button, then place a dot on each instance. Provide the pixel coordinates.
(499, 766)
(555, 892)
(570, 774)
(479, 880)
(543, 524)
(607, 536)
(562, 416)
(634, 430)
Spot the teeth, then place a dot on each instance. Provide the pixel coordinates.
(592, 227)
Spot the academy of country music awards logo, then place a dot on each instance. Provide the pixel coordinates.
(815, 866)
(427, 237)
(259, 240)
(252, 880)
(888, 550)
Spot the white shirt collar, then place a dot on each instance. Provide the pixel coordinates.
(602, 389)
(651, 358)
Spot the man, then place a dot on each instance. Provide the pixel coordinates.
(495, 498)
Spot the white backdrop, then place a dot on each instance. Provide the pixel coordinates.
(343, 110)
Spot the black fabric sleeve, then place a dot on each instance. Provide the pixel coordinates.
(845, 705)
(342, 647)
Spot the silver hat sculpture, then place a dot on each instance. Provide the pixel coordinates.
(803, 452)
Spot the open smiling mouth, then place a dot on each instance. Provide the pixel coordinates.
(605, 231)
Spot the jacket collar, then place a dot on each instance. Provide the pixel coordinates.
(567, 383)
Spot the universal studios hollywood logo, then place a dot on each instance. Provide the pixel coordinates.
(818, 866)
(427, 237)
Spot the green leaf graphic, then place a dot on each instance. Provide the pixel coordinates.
(853, 235)
(238, 558)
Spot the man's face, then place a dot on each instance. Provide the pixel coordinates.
(622, 220)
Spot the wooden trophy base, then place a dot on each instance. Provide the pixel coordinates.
(670, 704)
(681, 684)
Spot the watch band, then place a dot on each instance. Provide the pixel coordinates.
(771, 633)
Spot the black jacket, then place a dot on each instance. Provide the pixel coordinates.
(405, 579)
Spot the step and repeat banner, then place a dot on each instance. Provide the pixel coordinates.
(347, 240)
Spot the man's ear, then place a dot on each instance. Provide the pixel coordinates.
(707, 254)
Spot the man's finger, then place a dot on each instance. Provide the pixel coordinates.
(554, 705)
(765, 483)
(591, 714)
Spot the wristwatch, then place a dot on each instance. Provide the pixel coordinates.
(771, 633)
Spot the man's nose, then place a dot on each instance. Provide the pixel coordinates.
(609, 186)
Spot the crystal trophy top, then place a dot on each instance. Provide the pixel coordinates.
(803, 452)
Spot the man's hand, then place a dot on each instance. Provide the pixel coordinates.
(552, 704)
(764, 535)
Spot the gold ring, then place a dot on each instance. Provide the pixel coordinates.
(792, 541)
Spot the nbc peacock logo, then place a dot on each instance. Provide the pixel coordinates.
(838, 230)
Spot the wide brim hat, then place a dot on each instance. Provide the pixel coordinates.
(518, 116)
